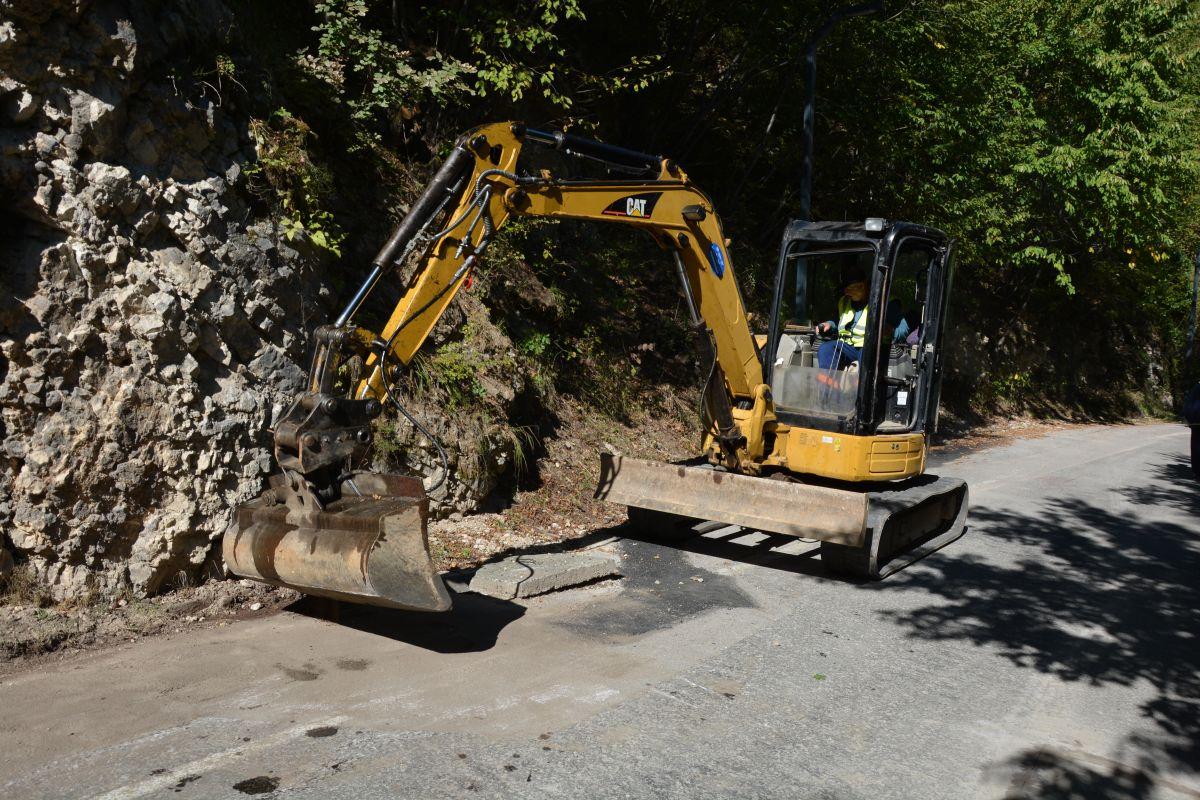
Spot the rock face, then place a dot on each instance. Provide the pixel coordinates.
(150, 328)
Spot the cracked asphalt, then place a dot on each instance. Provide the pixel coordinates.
(1053, 651)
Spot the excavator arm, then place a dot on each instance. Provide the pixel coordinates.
(472, 196)
(676, 213)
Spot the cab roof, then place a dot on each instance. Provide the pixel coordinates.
(830, 231)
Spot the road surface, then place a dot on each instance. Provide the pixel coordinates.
(1053, 651)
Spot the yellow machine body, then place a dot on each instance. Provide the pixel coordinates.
(313, 507)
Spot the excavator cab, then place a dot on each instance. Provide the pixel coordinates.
(887, 383)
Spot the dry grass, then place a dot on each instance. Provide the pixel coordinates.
(22, 587)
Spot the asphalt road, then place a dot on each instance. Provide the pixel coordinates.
(1053, 651)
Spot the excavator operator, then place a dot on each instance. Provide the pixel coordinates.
(851, 324)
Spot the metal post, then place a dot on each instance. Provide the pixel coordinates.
(810, 92)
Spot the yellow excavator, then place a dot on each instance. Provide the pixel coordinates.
(804, 437)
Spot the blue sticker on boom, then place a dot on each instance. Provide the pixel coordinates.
(716, 260)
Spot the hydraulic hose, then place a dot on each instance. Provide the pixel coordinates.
(478, 203)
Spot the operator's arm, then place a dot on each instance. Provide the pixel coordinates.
(896, 321)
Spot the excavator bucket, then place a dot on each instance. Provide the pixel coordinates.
(869, 534)
(369, 546)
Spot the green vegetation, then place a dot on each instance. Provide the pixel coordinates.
(286, 173)
(1056, 140)
(452, 369)
(373, 74)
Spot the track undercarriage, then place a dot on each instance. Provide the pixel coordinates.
(867, 531)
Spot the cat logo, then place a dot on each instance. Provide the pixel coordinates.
(635, 205)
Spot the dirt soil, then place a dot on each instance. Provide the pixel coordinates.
(958, 436)
(553, 506)
(556, 504)
(33, 631)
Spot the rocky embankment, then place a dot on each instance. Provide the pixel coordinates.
(149, 327)
(153, 320)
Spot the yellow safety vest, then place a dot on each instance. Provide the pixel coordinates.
(854, 334)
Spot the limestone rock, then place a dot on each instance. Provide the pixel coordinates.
(20, 106)
(151, 327)
(124, 441)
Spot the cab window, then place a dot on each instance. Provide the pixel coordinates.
(805, 379)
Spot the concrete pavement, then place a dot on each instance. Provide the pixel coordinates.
(1051, 652)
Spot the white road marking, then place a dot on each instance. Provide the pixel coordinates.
(202, 765)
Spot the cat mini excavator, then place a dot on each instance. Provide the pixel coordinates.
(834, 453)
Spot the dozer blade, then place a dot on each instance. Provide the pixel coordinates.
(370, 546)
(870, 532)
(793, 509)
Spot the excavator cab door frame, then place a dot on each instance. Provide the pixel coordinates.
(937, 302)
(939, 247)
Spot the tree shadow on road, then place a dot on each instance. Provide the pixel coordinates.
(1181, 492)
(1050, 774)
(1096, 594)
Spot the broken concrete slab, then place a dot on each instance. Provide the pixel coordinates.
(529, 575)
